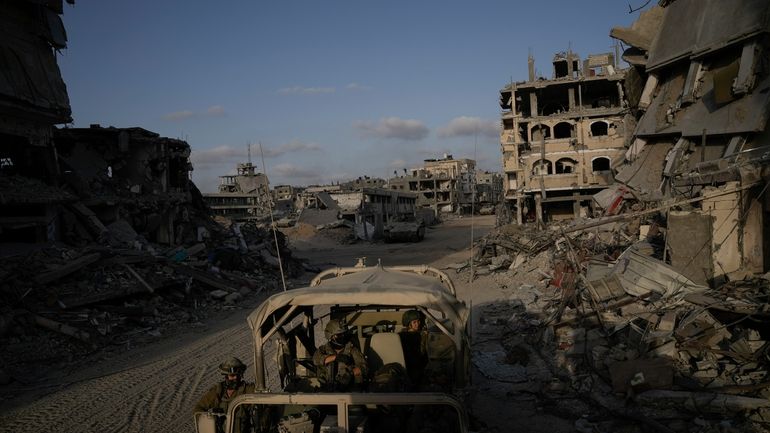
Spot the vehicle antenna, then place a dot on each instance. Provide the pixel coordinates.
(272, 223)
(473, 195)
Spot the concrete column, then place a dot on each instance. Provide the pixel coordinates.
(533, 104)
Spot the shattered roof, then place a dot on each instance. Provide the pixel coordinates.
(692, 28)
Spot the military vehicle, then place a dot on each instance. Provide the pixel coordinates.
(371, 301)
(404, 231)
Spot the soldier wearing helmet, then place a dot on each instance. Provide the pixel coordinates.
(219, 396)
(340, 365)
(414, 340)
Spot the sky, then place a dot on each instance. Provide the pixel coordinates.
(331, 89)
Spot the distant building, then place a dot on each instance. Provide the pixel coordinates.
(561, 137)
(363, 182)
(489, 188)
(283, 192)
(243, 196)
(444, 185)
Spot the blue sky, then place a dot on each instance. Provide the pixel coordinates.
(332, 89)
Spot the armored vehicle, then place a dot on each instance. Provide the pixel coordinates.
(404, 231)
(398, 393)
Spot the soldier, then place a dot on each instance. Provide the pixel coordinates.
(340, 365)
(414, 340)
(218, 397)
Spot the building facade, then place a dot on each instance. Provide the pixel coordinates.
(444, 185)
(243, 196)
(561, 137)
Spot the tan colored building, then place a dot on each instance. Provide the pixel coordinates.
(243, 196)
(561, 137)
(445, 184)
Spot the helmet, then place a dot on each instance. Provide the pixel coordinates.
(410, 315)
(232, 366)
(334, 327)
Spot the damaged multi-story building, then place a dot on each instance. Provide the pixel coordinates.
(443, 184)
(489, 188)
(33, 98)
(242, 196)
(128, 175)
(561, 137)
(701, 98)
(78, 184)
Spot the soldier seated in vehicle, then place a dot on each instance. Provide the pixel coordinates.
(414, 340)
(217, 399)
(340, 365)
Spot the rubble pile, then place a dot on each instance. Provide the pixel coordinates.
(614, 324)
(62, 301)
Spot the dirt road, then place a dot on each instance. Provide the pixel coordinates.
(154, 388)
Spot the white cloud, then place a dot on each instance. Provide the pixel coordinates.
(357, 87)
(294, 172)
(218, 155)
(465, 126)
(215, 111)
(393, 128)
(293, 146)
(178, 115)
(299, 90)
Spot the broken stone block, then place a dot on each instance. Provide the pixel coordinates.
(518, 261)
(598, 355)
(641, 374)
(667, 350)
(218, 294)
(232, 298)
(667, 322)
(499, 262)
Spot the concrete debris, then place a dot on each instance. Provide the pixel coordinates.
(119, 250)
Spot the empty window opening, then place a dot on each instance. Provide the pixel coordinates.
(542, 167)
(540, 132)
(563, 130)
(600, 164)
(566, 166)
(507, 124)
(599, 128)
(561, 67)
(550, 108)
(523, 132)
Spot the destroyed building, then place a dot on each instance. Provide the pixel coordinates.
(561, 137)
(283, 192)
(242, 196)
(33, 98)
(367, 210)
(363, 182)
(489, 188)
(127, 175)
(102, 233)
(702, 135)
(655, 311)
(444, 185)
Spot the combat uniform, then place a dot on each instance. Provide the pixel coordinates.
(336, 375)
(216, 400)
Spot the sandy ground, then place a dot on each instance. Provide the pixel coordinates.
(153, 388)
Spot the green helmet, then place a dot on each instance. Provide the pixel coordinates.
(232, 366)
(410, 315)
(334, 327)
